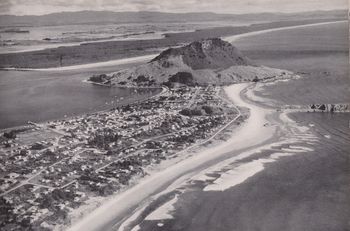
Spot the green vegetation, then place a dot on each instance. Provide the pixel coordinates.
(102, 78)
(200, 111)
(185, 78)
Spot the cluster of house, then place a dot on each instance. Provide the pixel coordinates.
(98, 154)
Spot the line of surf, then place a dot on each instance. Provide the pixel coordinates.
(234, 38)
(146, 58)
(251, 133)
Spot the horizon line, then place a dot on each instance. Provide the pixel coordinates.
(169, 12)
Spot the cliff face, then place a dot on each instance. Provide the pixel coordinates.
(210, 61)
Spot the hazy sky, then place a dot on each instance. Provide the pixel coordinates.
(22, 7)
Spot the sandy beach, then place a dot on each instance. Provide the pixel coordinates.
(174, 116)
(262, 121)
(110, 63)
(273, 137)
(234, 38)
(148, 57)
(242, 139)
(112, 50)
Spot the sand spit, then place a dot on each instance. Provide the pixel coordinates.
(241, 173)
(144, 58)
(236, 176)
(288, 141)
(293, 136)
(250, 134)
(162, 213)
(243, 138)
(234, 38)
(116, 62)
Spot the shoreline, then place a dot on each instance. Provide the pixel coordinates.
(138, 48)
(279, 136)
(123, 61)
(148, 57)
(123, 204)
(234, 38)
(124, 102)
(42, 47)
(275, 132)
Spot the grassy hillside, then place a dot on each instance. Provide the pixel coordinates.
(209, 61)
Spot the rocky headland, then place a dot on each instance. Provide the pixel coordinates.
(205, 62)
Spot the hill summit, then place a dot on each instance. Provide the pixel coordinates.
(209, 53)
(209, 61)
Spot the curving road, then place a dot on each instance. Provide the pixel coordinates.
(251, 134)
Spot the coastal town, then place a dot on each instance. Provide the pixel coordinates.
(61, 164)
(174, 115)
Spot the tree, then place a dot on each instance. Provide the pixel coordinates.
(209, 110)
(256, 79)
(10, 135)
(322, 107)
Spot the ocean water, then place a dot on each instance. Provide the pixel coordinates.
(305, 191)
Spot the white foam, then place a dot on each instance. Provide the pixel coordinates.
(303, 128)
(327, 136)
(281, 154)
(163, 212)
(203, 177)
(236, 176)
(136, 228)
(234, 38)
(309, 139)
(242, 138)
(307, 135)
(292, 150)
(293, 140)
(302, 148)
(241, 173)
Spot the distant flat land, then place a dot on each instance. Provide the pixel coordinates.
(104, 51)
(320, 54)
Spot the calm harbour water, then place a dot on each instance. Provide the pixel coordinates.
(40, 96)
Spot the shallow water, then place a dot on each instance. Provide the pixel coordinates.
(40, 37)
(304, 191)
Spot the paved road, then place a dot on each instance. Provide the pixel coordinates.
(117, 209)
